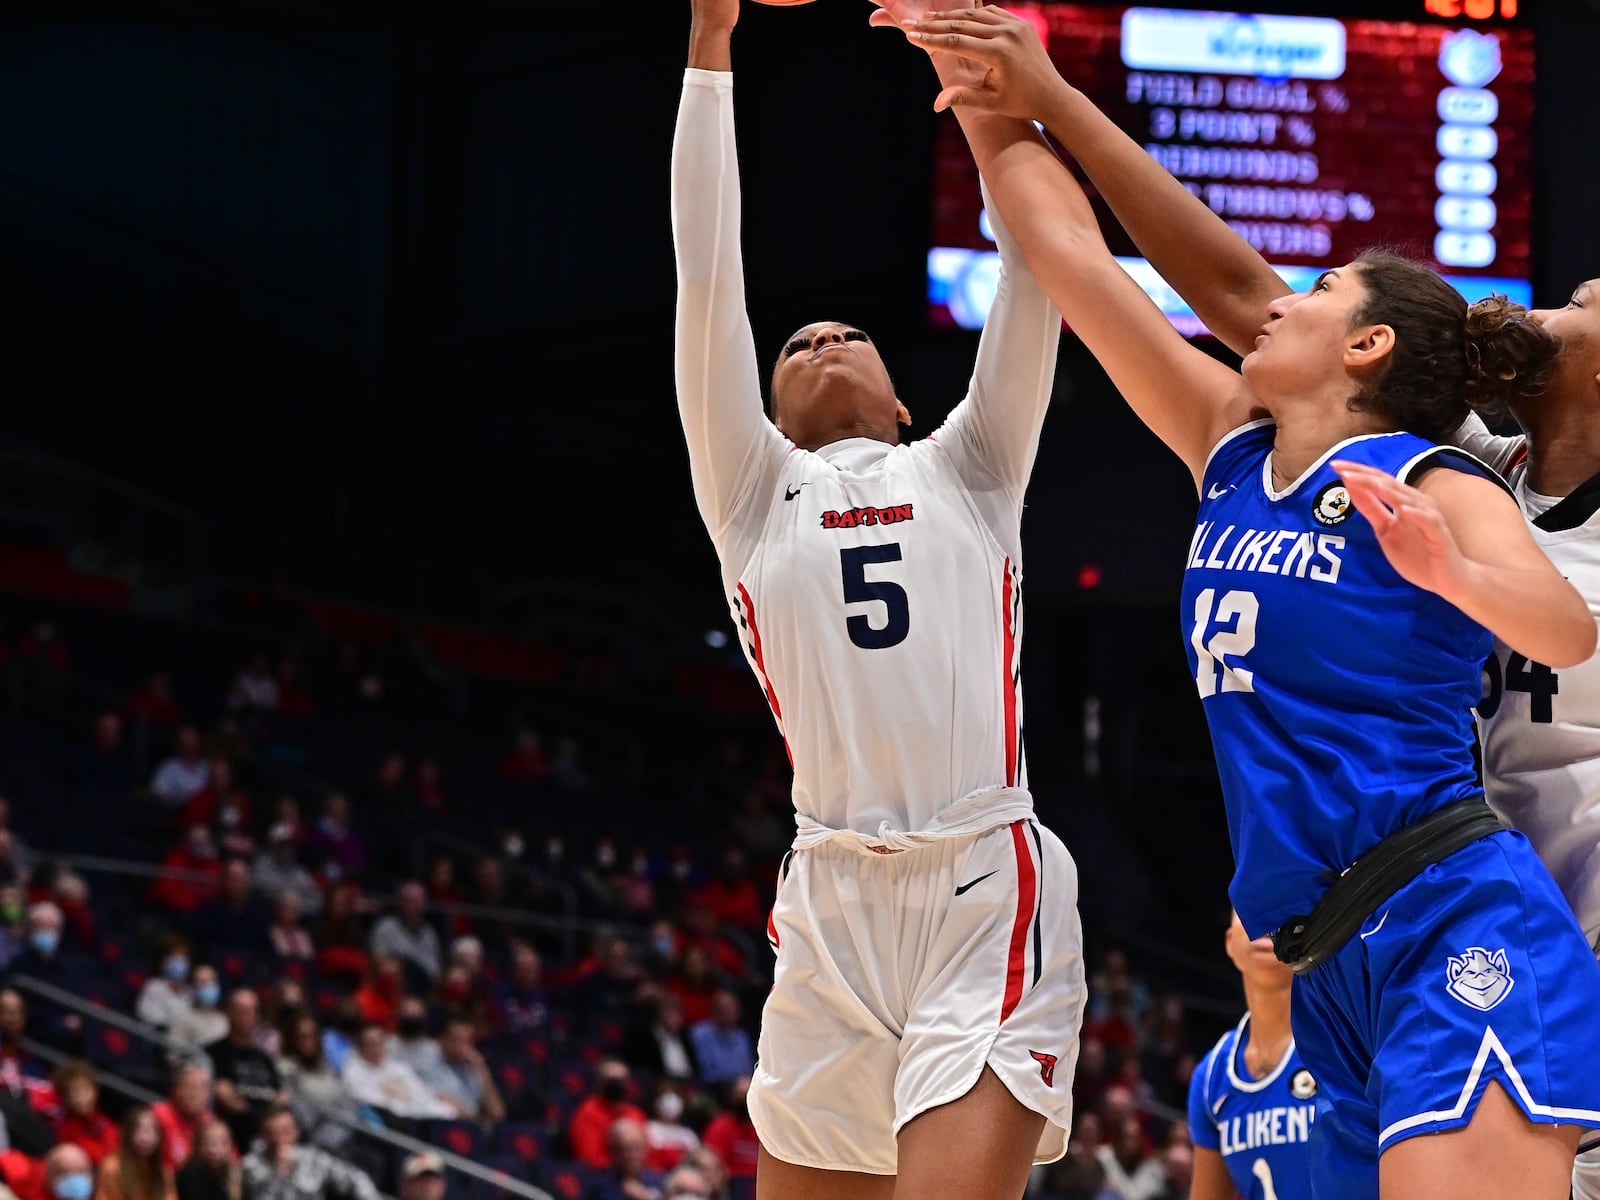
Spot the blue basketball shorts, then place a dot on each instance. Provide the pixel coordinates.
(1474, 971)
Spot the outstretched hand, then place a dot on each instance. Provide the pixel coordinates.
(1411, 530)
(953, 71)
(1007, 71)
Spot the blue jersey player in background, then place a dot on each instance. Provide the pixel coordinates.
(1251, 1100)
(1340, 590)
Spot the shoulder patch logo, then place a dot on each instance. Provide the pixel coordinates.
(1332, 504)
(1478, 978)
(1303, 1086)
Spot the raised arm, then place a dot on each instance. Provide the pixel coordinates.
(1463, 538)
(1216, 271)
(719, 386)
(1000, 419)
(1187, 398)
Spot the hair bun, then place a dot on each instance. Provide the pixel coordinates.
(1509, 356)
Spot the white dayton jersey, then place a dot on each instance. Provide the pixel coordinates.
(876, 588)
(1540, 728)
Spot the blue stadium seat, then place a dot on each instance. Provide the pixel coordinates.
(523, 1141)
(459, 1137)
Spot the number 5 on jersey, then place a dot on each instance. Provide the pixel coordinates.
(1222, 632)
(858, 589)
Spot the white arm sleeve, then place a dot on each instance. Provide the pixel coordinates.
(732, 445)
(1474, 437)
(999, 421)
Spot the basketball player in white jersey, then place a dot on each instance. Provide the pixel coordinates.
(921, 1034)
(1540, 729)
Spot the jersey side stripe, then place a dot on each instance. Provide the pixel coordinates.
(1027, 898)
(1007, 667)
(761, 667)
(1038, 908)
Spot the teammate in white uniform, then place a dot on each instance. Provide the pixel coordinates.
(1540, 729)
(922, 1030)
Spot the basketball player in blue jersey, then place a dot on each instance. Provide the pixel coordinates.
(1539, 728)
(1252, 1100)
(1344, 582)
(921, 1032)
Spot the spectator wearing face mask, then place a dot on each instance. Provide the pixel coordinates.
(166, 995)
(68, 1175)
(201, 1021)
(43, 959)
(41, 956)
(668, 1138)
(413, 1044)
(592, 1120)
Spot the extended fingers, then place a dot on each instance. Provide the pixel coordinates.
(1369, 503)
(979, 15)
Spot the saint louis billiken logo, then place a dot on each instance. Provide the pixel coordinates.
(1479, 978)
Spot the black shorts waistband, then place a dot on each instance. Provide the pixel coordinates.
(1303, 942)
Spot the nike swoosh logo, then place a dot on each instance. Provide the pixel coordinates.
(790, 495)
(1376, 927)
(1218, 490)
(975, 882)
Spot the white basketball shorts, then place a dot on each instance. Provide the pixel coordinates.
(901, 975)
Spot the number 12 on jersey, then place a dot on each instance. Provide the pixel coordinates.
(1223, 630)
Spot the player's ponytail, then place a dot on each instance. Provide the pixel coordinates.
(1509, 358)
(1447, 357)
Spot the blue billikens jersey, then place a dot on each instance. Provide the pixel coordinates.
(1259, 1126)
(1339, 696)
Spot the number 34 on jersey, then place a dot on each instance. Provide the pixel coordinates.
(1518, 674)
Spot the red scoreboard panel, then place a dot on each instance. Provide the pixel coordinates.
(1314, 136)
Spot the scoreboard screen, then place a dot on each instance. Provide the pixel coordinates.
(1313, 136)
